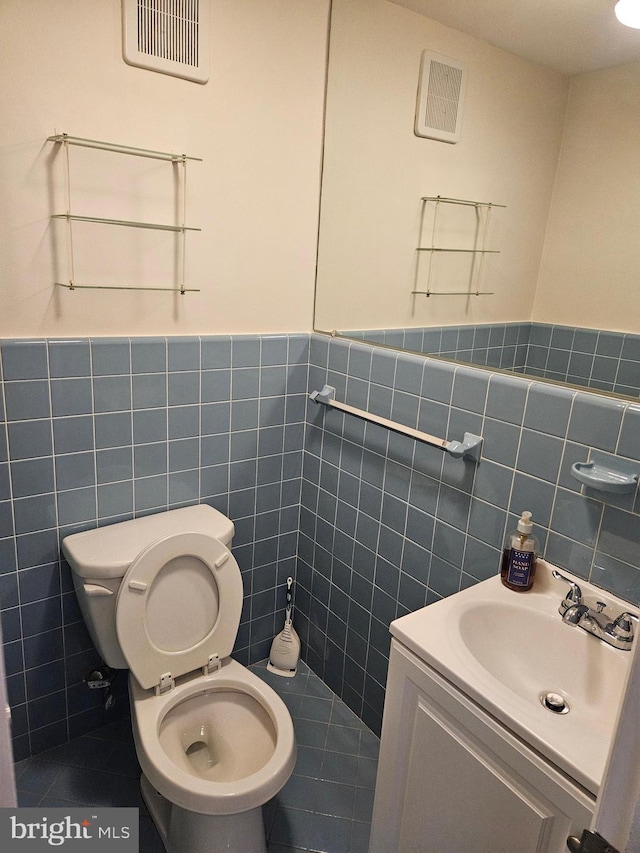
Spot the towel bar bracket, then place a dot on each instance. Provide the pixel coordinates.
(326, 395)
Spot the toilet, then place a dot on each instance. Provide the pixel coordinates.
(162, 596)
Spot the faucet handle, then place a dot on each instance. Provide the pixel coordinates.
(574, 596)
(623, 626)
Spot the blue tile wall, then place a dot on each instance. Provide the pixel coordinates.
(604, 361)
(389, 524)
(372, 524)
(98, 431)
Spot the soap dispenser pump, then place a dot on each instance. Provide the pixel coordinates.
(519, 557)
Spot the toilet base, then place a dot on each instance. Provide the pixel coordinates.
(183, 831)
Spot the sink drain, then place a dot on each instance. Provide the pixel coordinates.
(555, 702)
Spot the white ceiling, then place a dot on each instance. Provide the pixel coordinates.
(572, 36)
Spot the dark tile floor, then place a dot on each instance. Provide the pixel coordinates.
(325, 806)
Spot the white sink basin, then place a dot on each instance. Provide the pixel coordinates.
(507, 650)
(532, 653)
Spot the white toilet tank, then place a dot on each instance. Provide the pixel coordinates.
(99, 559)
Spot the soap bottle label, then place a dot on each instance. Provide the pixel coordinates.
(521, 564)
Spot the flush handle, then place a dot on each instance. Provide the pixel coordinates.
(94, 590)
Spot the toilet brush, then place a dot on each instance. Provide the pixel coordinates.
(285, 649)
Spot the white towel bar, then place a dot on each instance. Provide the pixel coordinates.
(469, 448)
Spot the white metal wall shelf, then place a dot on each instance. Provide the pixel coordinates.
(127, 223)
(479, 247)
(181, 229)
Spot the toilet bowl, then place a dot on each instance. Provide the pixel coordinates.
(222, 744)
(162, 595)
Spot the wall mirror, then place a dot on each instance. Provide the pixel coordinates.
(548, 149)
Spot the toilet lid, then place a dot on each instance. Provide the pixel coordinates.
(179, 603)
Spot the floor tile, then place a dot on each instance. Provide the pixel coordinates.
(325, 807)
(334, 798)
(35, 776)
(309, 761)
(343, 740)
(312, 708)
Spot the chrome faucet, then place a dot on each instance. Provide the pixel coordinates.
(574, 614)
(618, 633)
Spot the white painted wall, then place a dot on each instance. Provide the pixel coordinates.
(376, 169)
(589, 271)
(257, 124)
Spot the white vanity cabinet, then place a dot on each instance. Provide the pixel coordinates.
(452, 779)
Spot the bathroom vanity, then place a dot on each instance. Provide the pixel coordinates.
(472, 759)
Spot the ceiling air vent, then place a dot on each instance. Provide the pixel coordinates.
(440, 97)
(170, 36)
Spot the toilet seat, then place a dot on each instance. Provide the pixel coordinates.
(178, 608)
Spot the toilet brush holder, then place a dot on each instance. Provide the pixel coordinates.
(285, 649)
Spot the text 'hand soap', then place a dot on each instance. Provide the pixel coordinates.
(519, 556)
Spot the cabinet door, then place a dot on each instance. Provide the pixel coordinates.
(459, 798)
(451, 780)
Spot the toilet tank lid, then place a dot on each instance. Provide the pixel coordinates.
(107, 552)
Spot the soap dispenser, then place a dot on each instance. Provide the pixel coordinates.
(519, 557)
